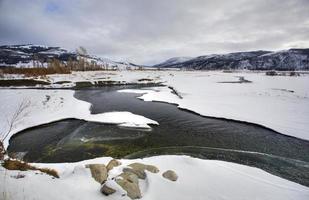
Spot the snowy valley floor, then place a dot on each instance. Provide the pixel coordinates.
(280, 103)
(264, 100)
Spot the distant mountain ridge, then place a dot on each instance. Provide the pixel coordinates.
(172, 61)
(25, 55)
(292, 59)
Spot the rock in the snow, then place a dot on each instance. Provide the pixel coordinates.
(139, 173)
(129, 182)
(133, 178)
(113, 163)
(98, 172)
(143, 167)
(170, 175)
(107, 190)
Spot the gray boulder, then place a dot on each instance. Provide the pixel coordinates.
(129, 182)
(107, 190)
(143, 167)
(98, 172)
(141, 174)
(170, 175)
(113, 163)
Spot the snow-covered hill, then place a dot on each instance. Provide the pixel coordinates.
(26, 55)
(172, 61)
(292, 59)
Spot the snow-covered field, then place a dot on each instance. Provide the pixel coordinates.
(277, 102)
(280, 103)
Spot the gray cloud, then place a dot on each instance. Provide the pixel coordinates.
(150, 31)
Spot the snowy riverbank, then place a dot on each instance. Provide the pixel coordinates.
(198, 179)
(44, 106)
(280, 103)
(277, 102)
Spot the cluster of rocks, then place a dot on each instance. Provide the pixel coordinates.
(128, 179)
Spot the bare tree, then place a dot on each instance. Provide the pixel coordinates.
(82, 51)
(11, 122)
(81, 61)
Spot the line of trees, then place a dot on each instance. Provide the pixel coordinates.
(81, 62)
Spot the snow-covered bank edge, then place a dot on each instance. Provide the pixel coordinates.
(145, 92)
(266, 100)
(210, 179)
(258, 102)
(47, 106)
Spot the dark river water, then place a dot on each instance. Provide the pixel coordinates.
(179, 132)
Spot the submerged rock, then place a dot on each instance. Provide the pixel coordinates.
(113, 163)
(98, 172)
(129, 182)
(107, 190)
(143, 167)
(170, 175)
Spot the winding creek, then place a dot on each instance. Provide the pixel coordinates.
(179, 132)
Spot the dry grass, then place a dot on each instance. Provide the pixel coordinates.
(23, 166)
(36, 71)
(50, 172)
(17, 165)
(55, 66)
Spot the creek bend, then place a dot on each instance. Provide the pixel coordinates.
(179, 132)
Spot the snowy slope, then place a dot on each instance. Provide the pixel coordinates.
(25, 55)
(292, 59)
(172, 61)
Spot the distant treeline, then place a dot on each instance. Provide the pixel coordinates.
(55, 66)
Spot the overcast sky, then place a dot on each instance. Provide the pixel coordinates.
(149, 31)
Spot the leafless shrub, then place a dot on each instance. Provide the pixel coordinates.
(11, 122)
(11, 164)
